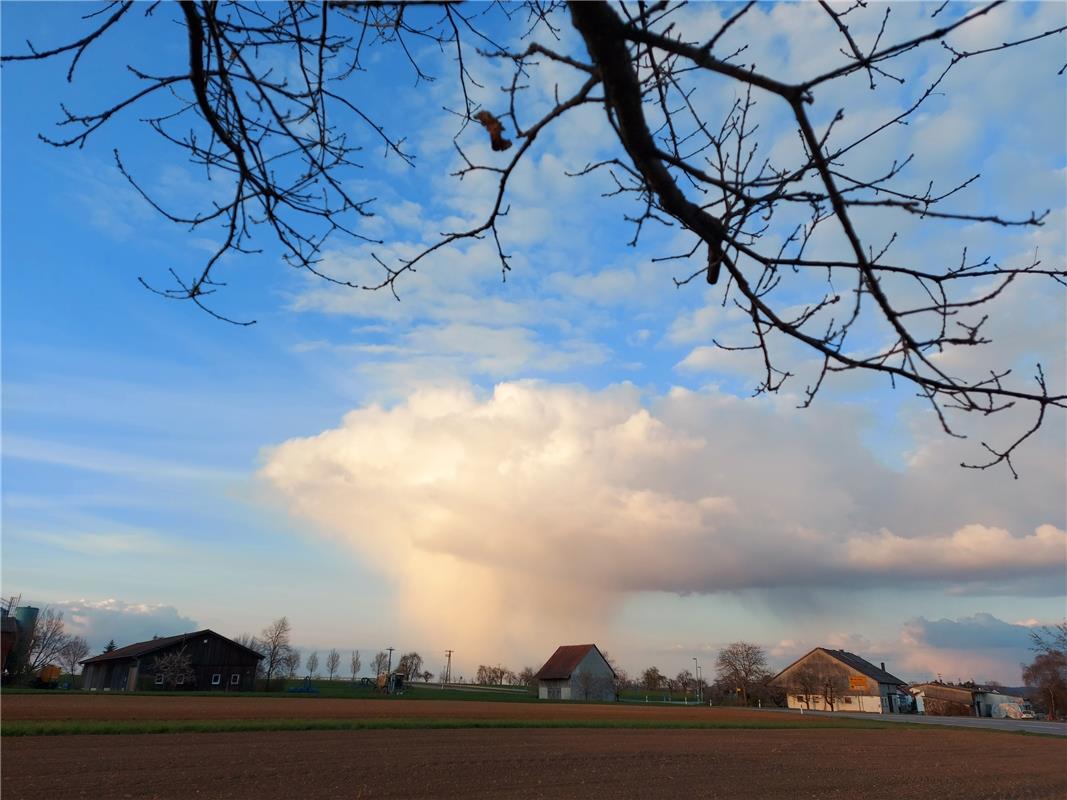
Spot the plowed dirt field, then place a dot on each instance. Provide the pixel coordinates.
(895, 764)
(169, 707)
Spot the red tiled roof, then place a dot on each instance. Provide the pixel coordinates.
(564, 661)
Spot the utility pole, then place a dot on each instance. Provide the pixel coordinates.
(448, 668)
(389, 669)
(700, 691)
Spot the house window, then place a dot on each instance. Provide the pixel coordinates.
(216, 679)
(848, 701)
(159, 679)
(235, 679)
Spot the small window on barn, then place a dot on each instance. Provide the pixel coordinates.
(848, 701)
(216, 679)
(235, 679)
(159, 679)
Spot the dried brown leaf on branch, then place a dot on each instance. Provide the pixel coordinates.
(495, 128)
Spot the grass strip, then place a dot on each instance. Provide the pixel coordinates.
(112, 727)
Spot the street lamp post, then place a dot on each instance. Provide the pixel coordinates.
(700, 689)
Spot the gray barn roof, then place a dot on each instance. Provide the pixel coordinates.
(863, 665)
(854, 661)
(138, 649)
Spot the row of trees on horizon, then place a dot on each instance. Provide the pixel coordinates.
(742, 671)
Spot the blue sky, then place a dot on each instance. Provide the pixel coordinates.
(497, 467)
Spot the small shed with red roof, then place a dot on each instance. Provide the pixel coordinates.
(577, 672)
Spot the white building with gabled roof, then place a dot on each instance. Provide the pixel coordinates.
(576, 672)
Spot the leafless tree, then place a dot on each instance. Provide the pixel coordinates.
(283, 143)
(255, 645)
(1048, 673)
(684, 681)
(427, 676)
(176, 667)
(45, 641)
(355, 664)
(410, 664)
(526, 677)
(291, 663)
(833, 682)
(498, 675)
(652, 679)
(333, 661)
(1050, 638)
(805, 683)
(742, 664)
(73, 651)
(312, 665)
(274, 641)
(380, 663)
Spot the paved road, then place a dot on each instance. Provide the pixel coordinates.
(1031, 725)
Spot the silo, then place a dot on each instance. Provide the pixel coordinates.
(26, 617)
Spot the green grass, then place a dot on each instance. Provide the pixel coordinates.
(102, 727)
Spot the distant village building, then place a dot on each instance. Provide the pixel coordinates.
(991, 703)
(214, 663)
(837, 680)
(939, 700)
(576, 672)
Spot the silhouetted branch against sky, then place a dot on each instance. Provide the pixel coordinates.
(780, 213)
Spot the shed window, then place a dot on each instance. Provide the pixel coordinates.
(159, 679)
(235, 679)
(216, 679)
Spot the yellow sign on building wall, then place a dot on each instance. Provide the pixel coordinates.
(857, 682)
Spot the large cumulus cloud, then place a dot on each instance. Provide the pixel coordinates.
(529, 513)
(100, 621)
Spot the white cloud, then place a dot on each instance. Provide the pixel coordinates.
(541, 506)
(971, 551)
(100, 621)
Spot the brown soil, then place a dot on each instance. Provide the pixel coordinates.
(169, 707)
(895, 764)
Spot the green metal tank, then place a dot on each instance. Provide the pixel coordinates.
(26, 617)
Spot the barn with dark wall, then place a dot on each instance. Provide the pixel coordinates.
(216, 664)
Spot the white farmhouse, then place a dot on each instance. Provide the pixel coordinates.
(837, 680)
(576, 672)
